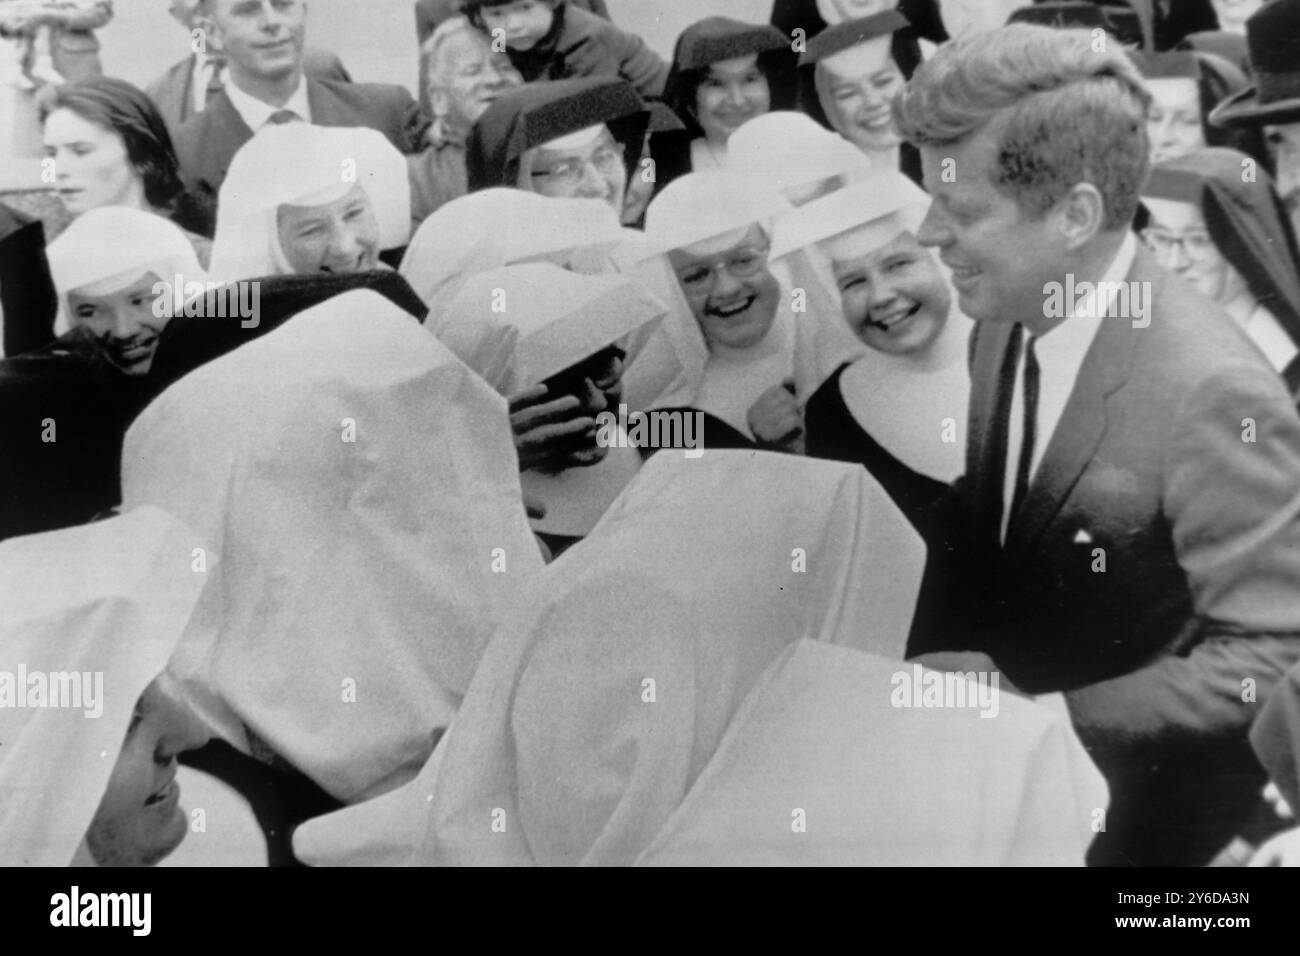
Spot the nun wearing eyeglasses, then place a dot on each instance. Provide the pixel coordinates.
(747, 341)
(360, 488)
(301, 199)
(900, 409)
(687, 728)
(577, 138)
(1232, 240)
(554, 342)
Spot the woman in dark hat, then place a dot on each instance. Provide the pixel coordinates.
(1273, 104)
(724, 73)
(1185, 86)
(811, 15)
(1231, 239)
(858, 67)
(572, 138)
(1119, 20)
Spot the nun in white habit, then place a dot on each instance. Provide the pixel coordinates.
(300, 199)
(361, 488)
(899, 409)
(90, 725)
(116, 271)
(795, 154)
(745, 342)
(535, 324)
(500, 227)
(621, 700)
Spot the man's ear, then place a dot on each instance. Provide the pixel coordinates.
(211, 32)
(1081, 214)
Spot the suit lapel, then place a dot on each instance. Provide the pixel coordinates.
(325, 107)
(1081, 427)
(225, 132)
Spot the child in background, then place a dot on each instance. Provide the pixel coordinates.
(554, 40)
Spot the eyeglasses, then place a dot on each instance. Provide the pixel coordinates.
(1197, 244)
(699, 278)
(569, 172)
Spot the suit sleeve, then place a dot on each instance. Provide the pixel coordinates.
(641, 66)
(333, 69)
(412, 123)
(1232, 500)
(598, 48)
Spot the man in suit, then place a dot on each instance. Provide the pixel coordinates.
(185, 87)
(263, 45)
(1128, 526)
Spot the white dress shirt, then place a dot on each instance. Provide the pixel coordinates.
(257, 114)
(1264, 330)
(1060, 355)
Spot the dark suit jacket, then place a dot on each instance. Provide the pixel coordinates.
(206, 143)
(1199, 531)
(171, 92)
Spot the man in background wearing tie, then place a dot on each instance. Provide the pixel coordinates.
(262, 42)
(1128, 526)
(186, 86)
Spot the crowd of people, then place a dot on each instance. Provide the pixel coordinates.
(865, 437)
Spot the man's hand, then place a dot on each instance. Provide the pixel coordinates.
(1278, 802)
(777, 420)
(549, 434)
(1282, 850)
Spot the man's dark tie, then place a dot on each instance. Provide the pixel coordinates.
(280, 117)
(1030, 431)
(216, 65)
(999, 429)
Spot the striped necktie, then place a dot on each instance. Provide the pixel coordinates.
(1029, 434)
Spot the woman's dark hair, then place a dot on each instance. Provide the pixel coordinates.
(126, 110)
(715, 39)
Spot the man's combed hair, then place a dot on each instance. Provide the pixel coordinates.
(1067, 113)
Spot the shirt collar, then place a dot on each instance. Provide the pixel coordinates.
(1061, 351)
(256, 113)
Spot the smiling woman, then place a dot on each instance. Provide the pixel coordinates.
(724, 74)
(301, 199)
(746, 341)
(106, 267)
(898, 408)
